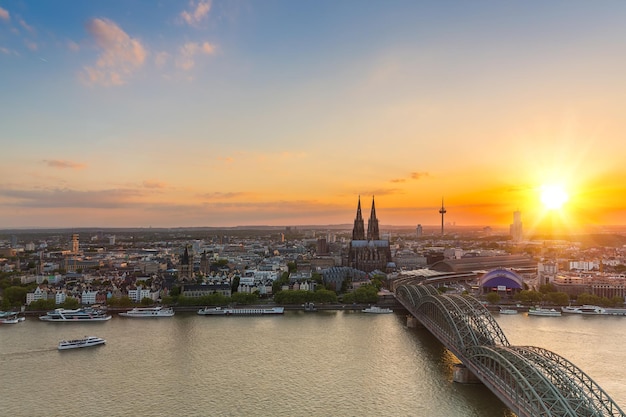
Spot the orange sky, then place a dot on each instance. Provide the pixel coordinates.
(205, 114)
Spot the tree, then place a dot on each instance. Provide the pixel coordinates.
(41, 305)
(586, 298)
(16, 295)
(493, 298)
(528, 296)
(244, 298)
(70, 303)
(366, 294)
(278, 284)
(125, 302)
(293, 297)
(234, 286)
(617, 301)
(325, 296)
(317, 277)
(145, 301)
(547, 288)
(557, 298)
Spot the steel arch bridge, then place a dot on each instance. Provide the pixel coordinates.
(531, 381)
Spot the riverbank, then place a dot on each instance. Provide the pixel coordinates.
(288, 307)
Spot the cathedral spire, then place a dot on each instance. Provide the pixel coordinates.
(358, 232)
(372, 224)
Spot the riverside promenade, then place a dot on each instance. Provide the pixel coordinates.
(288, 307)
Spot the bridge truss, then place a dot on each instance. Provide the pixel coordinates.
(531, 381)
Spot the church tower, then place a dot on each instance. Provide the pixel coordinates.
(186, 266)
(372, 225)
(358, 232)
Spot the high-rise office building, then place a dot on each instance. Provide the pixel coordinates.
(516, 227)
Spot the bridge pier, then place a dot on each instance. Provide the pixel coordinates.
(413, 323)
(462, 375)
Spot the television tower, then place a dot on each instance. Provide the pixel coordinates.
(442, 211)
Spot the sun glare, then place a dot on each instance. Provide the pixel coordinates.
(553, 196)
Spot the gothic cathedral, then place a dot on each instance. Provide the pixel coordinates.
(368, 252)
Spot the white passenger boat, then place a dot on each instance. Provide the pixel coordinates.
(148, 312)
(228, 311)
(508, 311)
(10, 317)
(615, 311)
(545, 312)
(87, 341)
(584, 309)
(377, 310)
(78, 315)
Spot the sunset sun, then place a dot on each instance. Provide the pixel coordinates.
(553, 196)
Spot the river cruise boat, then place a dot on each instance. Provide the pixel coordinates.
(228, 311)
(78, 315)
(545, 312)
(148, 312)
(10, 317)
(584, 309)
(87, 341)
(508, 311)
(377, 310)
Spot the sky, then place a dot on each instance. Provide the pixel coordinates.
(132, 113)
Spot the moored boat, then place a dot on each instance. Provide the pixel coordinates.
(615, 311)
(508, 311)
(545, 312)
(148, 312)
(10, 317)
(87, 341)
(78, 315)
(377, 310)
(228, 311)
(584, 309)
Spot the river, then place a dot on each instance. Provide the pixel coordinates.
(326, 363)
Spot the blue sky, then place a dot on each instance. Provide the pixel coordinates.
(169, 113)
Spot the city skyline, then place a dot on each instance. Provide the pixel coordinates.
(221, 114)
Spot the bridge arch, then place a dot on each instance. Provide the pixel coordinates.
(463, 321)
(532, 381)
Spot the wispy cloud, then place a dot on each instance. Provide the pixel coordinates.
(31, 45)
(187, 54)
(120, 54)
(226, 159)
(7, 51)
(161, 58)
(73, 46)
(4, 15)
(418, 175)
(65, 198)
(196, 12)
(26, 26)
(412, 176)
(56, 163)
(224, 196)
(153, 184)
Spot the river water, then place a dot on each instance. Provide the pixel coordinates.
(327, 363)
